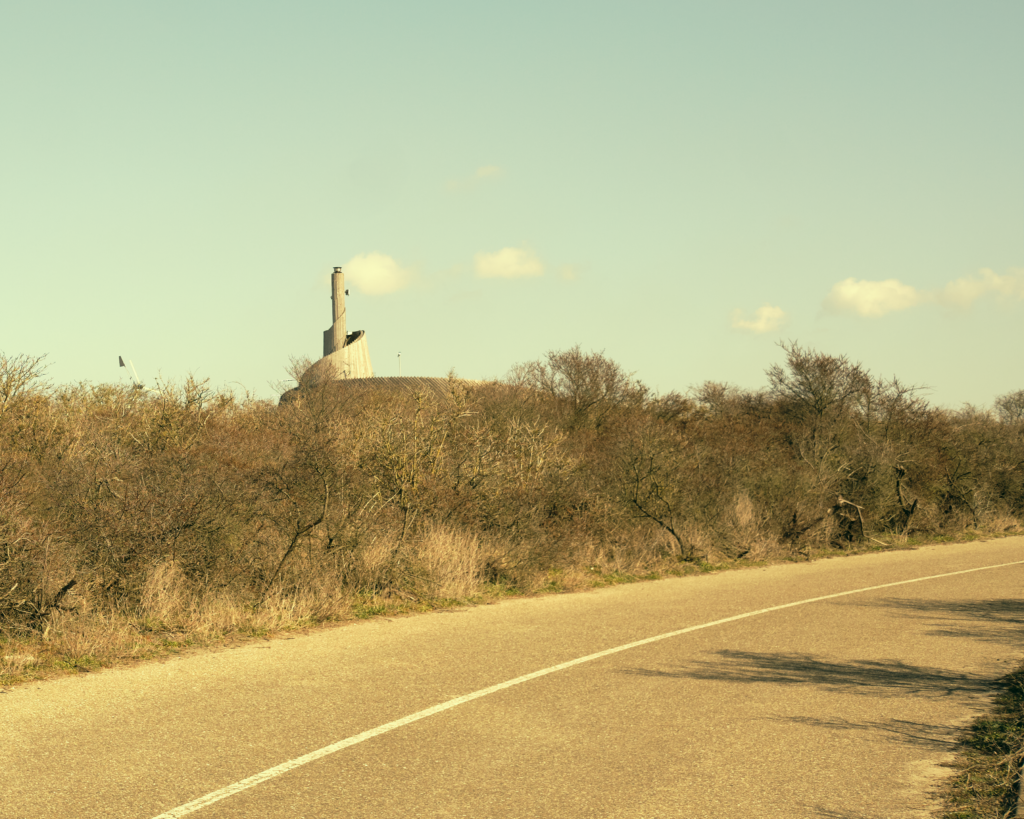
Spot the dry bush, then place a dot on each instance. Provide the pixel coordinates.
(451, 563)
(305, 488)
(36, 570)
(704, 544)
(1010, 407)
(651, 476)
(380, 563)
(584, 389)
(83, 636)
(171, 604)
(17, 663)
(817, 388)
(131, 514)
(750, 532)
(166, 594)
(144, 485)
(36, 573)
(633, 551)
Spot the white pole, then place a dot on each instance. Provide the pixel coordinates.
(399, 365)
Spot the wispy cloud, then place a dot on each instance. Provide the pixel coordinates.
(376, 274)
(865, 298)
(508, 263)
(482, 175)
(765, 320)
(964, 292)
(876, 298)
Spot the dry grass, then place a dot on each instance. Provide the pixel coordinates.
(451, 562)
(1000, 521)
(445, 567)
(16, 665)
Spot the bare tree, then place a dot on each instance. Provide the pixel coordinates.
(1010, 407)
(18, 374)
(649, 479)
(815, 384)
(588, 386)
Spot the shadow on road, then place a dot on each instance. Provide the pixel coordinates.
(920, 734)
(857, 676)
(889, 678)
(997, 620)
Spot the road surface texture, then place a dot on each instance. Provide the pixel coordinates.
(837, 707)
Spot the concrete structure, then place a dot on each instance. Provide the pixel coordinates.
(346, 361)
(439, 389)
(346, 355)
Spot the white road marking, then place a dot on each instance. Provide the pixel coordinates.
(284, 767)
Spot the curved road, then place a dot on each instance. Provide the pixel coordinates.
(828, 689)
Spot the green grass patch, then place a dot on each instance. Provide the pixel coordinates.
(84, 663)
(553, 586)
(364, 611)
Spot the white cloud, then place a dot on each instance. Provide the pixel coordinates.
(508, 263)
(766, 319)
(872, 298)
(376, 274)
(964, 292)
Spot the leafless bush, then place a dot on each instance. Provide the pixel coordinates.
(451, 561)
(1010, 407)
(587, 388)
(21, 376)
(816, 386)
(193, 510)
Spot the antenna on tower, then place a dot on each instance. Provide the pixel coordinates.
(134, 375)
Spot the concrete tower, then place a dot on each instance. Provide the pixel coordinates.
(346, 355)
(335, 335)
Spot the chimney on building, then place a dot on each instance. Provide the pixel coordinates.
(335, 337)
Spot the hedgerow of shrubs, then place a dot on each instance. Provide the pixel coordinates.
(110, 494)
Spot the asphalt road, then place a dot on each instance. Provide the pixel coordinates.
(840, 707)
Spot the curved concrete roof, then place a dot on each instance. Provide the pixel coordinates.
(438, 387)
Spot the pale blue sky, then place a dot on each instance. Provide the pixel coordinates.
(179, 180)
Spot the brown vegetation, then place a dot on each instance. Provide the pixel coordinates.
(131, 520)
